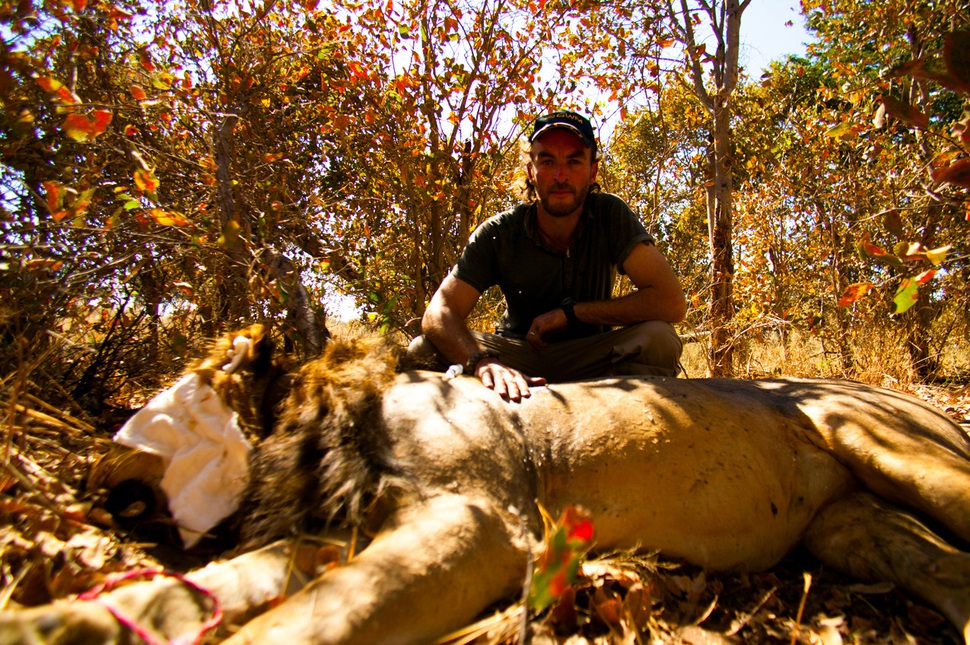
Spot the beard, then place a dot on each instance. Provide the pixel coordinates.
(560, 205)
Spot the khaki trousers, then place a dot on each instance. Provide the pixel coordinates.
(651, 348)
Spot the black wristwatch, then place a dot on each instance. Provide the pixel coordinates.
(568, 305)
(474, 359)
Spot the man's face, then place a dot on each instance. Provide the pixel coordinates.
(562, 172)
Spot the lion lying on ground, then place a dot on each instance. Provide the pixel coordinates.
(725, 474)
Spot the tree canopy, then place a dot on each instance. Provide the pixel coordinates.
(172, 169)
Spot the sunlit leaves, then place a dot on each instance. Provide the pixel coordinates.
(58, 89)
(936, 256)
(907, 293)
(565, 545)
(843, 130)
(145, 180)
(877, 253)
(145, 60)
(163, 81)
(63, 202)
(55, 199)
(167, 218)
(84, 128)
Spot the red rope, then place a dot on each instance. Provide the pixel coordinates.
(112, 581)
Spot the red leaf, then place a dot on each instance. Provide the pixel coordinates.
(55, 195)
(49, 84)
(58, 89)
(957, 173)
(956, 53)
(854, 292)
(100, 122)
(146, 180)
(877, 253)
(82, 128)
(578, 525)
(146, 61)
(925, 276)
(905, 112)
(77, 127)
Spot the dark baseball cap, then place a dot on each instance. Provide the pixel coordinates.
(567, 120)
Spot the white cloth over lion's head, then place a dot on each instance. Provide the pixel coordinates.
(199, 438)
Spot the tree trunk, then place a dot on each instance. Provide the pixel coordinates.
(720, 221)
(313, 333)
(234, 290)
(725, 23)
(920, 318)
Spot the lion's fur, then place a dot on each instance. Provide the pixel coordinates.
(328, 457)
(721, 473)
(247, 390)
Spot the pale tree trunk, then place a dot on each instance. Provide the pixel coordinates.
(724, 20)
(310, 326)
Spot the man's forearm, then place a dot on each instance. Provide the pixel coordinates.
(636, 307)
(450, 335)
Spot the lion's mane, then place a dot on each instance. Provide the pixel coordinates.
(328, 457)
(252, 390)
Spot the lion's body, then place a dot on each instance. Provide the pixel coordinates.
(657, 462)
(725, 474)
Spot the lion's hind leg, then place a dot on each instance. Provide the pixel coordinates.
(865, 537)
(433, 568)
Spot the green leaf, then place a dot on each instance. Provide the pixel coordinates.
(839, 131)
(906, 295)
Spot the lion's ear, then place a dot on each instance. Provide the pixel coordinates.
(250, 350)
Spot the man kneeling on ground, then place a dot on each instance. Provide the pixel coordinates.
(555, 259)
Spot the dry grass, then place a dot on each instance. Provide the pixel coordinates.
(879, 359)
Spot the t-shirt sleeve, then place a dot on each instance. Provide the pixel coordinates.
(478, 264)
(628, 230)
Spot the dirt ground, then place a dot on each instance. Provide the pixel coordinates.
(57, 540)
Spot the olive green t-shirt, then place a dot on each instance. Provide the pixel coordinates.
(506, 250)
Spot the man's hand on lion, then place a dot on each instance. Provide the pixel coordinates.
(509, 383)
